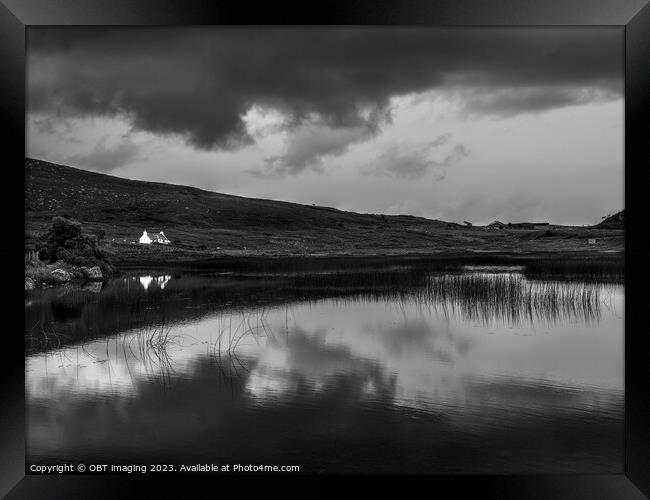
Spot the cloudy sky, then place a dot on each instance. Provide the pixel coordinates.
(455, 124)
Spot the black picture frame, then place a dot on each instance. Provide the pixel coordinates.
(633, 15)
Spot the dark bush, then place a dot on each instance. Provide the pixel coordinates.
(66, 242)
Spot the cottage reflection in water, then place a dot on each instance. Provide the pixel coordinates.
(160, 281)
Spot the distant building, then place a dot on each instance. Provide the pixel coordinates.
(496, 225)
(158, 238)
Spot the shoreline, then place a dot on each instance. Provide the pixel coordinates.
(159, 259)
(368, 257)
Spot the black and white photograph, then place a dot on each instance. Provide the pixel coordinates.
(325, 250)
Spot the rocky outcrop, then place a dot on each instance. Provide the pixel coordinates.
(60, 275)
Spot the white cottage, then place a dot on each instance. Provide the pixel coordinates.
(160, 238)
(144, 239)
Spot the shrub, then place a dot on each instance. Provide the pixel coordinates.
(66, 242)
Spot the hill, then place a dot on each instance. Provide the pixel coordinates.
(203, 224)
(615, 221)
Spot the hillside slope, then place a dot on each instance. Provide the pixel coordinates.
(616, 221)
(108, 199)
(123, 208)
(204, 224)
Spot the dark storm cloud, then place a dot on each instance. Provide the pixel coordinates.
(200, 82)
(416, 163)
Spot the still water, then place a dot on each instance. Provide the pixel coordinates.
(480, 370)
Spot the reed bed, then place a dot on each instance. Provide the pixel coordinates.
(511, 298)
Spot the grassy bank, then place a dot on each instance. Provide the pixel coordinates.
(136, 256)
